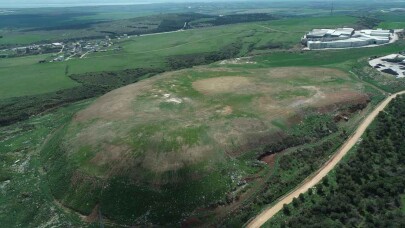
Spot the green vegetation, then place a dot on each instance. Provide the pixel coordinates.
(403, 203)
(22, 180)
(393, 20)
(365, 73)
(180, 148)
(331, 57)
(31, 78)
(366, 189)
(43, 82)
(156, 51)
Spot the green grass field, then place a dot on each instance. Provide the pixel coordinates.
(392, 20)
(25, 76)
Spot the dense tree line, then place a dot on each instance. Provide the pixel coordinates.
(185, 61)
(368, 187)
(242, 18)
(172, 22)
(368, 22)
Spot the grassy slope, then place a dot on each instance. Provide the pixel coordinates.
(21, 174)
(316, 58)
(145, 137)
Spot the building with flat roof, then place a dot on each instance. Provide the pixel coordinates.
(345, 38)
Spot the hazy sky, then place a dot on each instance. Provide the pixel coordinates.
(61, 3)
(53, 3)
(42, 3)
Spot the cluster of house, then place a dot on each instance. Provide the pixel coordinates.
(346, 38)
(80, 48)
(33, 49)
(62, 51)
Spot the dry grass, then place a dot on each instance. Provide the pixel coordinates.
(212, 86)
(293, 72)
(213, 116)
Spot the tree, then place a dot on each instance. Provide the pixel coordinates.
(295, 202)
(286, 210)
(320, 191)
(325, 181)
(302, 197)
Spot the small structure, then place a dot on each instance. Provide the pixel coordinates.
(57, 44)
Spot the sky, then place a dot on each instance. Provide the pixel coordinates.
(64, 3)
(61, 3)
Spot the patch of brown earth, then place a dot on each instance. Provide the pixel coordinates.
(334, 100)
(110, 153)
(94, 215)
(191, 222)
(313, 99)
(118, 159)
(226, 111)
(270, 159)
(212, 86)
(286, 72)
(161, 162)
(117, 104)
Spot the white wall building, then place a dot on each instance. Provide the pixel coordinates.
(345, 38)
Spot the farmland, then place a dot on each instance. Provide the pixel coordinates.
(153, 50)
(198, 127)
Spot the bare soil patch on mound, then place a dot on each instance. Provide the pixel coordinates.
(286, 72)
(117, 104)
(212, 86)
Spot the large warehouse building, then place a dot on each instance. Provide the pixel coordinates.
(345, 38)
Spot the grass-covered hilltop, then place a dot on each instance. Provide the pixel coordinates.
(181, 114)
(166, 146)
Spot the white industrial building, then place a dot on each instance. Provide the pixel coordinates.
(345, 38)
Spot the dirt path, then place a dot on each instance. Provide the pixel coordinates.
(317, 177)
(280, 31)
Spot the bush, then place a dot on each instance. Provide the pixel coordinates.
(286, 210)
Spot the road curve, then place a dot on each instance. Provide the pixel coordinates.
(322, 172)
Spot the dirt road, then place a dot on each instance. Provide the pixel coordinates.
(321, 173)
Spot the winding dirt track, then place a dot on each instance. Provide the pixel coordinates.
(321, 173)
